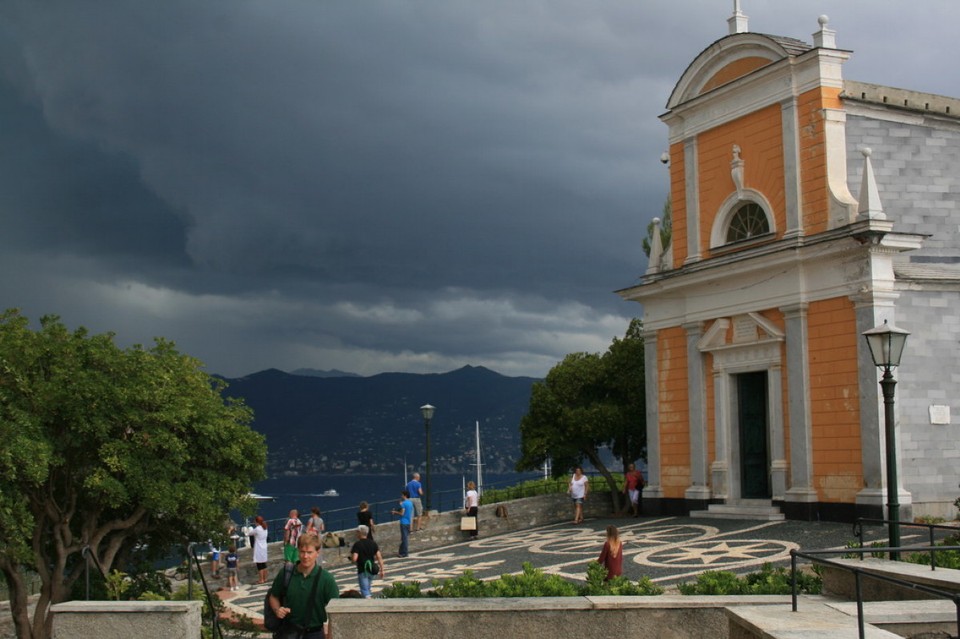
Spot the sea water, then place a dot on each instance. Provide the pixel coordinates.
(382, 492)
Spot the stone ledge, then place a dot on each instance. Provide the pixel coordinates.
(810, 621)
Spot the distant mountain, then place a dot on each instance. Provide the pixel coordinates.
(371, 424)
(313, 372)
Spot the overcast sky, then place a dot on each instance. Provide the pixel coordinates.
(362, 185)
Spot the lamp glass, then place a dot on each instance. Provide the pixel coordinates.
(886, 344)
(427, 411)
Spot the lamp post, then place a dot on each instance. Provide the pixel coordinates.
(886, 344)
(427, 411)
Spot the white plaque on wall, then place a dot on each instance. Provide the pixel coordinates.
(939, 414)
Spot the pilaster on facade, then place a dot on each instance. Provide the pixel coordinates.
(798, 408)
(653, 489)
(791, 168)
(871, 309)
(692, 195)
(778, 462)
(696, 398)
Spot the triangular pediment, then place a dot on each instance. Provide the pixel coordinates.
(739, 330)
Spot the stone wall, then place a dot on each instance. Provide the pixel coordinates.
(125, 619)
(664, 617)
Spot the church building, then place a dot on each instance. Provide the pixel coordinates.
(762, 397)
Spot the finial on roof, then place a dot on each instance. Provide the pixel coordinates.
(869, 207)
(738, 21)
(825, 38)
(656, 249)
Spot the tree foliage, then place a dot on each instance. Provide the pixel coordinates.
(110, 449)
(587, 402)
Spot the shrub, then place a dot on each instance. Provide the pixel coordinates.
(769, 580)
(531, 583)
(713, 582)
(524, 489)
(402, 590)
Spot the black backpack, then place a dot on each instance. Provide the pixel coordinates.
(270, 619)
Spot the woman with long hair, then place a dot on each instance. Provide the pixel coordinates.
(612, 554)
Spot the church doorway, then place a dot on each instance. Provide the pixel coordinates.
(754, 450)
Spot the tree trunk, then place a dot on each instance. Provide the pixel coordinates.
(611, 482)
(17, 590)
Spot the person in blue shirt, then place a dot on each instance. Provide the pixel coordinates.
(415, 488)
(406, 518)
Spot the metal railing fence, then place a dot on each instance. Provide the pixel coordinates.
(859, 574)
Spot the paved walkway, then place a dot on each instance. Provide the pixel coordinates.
(666, 549)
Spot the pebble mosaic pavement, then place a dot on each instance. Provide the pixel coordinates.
(666, 549)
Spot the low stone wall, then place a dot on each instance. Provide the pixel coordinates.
(125, 619)
(664, 617)
(842, 583)
(442, 529)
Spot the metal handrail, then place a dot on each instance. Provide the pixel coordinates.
(340, 519)
(858, 573)
(88, 554)
(858, 533)
(214, 618)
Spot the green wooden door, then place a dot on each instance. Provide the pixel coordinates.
(754, 461)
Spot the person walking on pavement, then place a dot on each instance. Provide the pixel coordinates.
(365, 553)
(632, 487)
(406, 517)
(578, 490)
(415, 488)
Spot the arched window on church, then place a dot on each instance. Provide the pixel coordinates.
(747, 222)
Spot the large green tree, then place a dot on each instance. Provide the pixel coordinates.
(587, 402)
(108, 448)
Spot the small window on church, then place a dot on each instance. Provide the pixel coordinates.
(747, 223)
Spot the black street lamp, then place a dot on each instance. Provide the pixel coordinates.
(886, 344)
(427, 411)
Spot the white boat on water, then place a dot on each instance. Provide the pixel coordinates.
(260, 497)
(331, 492)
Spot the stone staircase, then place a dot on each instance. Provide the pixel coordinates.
(756, 509)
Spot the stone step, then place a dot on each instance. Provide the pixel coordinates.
(811, 621)
(740, 511)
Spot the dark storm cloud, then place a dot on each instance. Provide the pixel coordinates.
(361, 185)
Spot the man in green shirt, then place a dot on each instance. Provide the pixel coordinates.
(293, 606)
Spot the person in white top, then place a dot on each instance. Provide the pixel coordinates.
(579, 489)
(260, 549)
(471, 505)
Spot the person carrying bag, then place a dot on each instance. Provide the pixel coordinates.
(300, 603)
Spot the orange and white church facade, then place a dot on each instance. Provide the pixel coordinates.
(806, 209)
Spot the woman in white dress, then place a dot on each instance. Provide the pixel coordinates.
(260, 548)
(579, 488)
